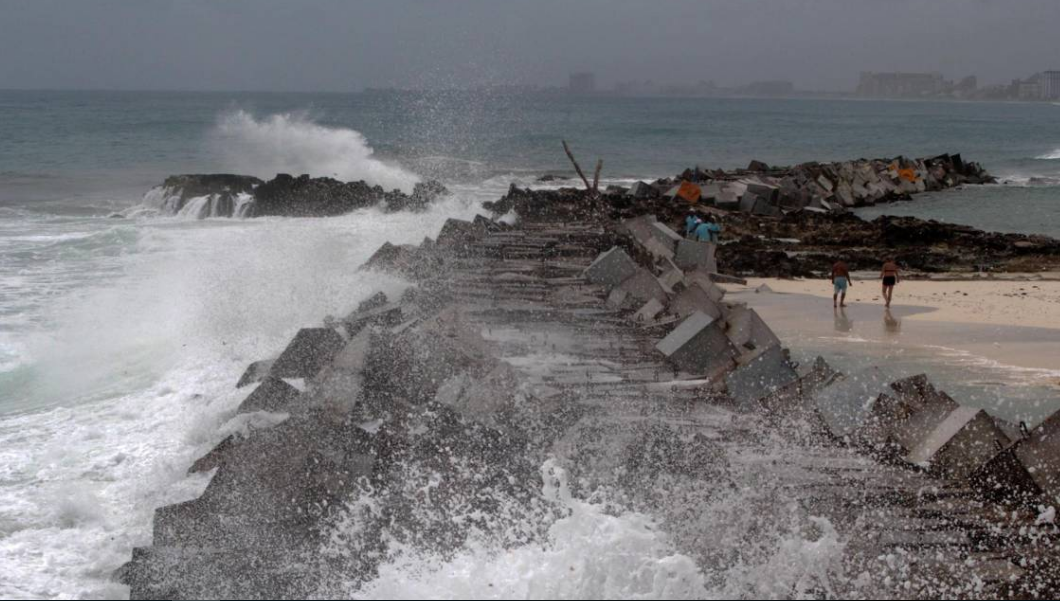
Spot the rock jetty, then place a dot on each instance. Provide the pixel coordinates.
(225, 195)
(608, 352)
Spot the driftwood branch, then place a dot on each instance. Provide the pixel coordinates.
(577, 167)
(596, 176)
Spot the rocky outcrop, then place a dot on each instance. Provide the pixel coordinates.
(223, 195)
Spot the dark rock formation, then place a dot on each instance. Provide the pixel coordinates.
(225, 195)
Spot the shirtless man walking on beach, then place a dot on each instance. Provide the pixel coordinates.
(840, 281)
(889, 275)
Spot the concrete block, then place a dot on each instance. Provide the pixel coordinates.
(825, 183)
(694, 298)
(659, 250)
(273, 394)
(766, 208)
(705, 280)
(641, 190)
(649, 311)
(388, 315)
(672, 280)
(846, 406)
(620, 300)
(459, 234)
(748, 331)
(611, 268)
(758, 374)
(666, 236)
(640, 228)
(767, 192)
(1040, 453)
(692, 254)
(375, 301)
(698, 345)
(748, 201)
(728, 199)
(644, 286)
(310, 350)
(255, 372)
(1005, 479)
(966, 439)
(710, 193)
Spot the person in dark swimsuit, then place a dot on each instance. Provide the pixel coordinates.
(889, 275)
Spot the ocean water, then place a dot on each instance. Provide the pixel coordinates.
(120, 339)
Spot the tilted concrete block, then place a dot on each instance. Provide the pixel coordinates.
(672, 280)
(458, 234)
(387, 315)
(766, 208)
(698, 345)
(273, 394)
(1005, 479)
(758, 374)
(310, 350)
(767, 192)
(611, 268)
(666, 236)
(846, 406)
(1040, 453)
(748, 331)
(692, 255)
(748, 201)
(640, 228)
(965, 440)
(658, 250)
(621, 300)
(255, 372)
(649, 311)
(705, 280)
(694, 298)
(642, 191)
(710, 192)
(644, 286)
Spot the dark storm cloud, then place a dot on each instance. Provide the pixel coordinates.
(332, 45)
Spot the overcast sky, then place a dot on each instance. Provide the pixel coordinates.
(311, 45)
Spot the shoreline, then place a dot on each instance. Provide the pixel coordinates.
(996, 302)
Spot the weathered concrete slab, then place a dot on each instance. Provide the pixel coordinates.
(273, 394)
(692, 254)
(310, 350)
(644, 286)
(706, 281)
(758, 374)
(387, 315)
(694, 298)
(846, 406)
(611, 268)
(649, 311)
(698, 345)
(965, 440)
(1040, 453)
(666, 237)
(255, 372)
(748, 331)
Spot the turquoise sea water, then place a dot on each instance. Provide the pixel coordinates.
(120, 338)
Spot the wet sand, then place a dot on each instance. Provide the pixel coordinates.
(992, 348)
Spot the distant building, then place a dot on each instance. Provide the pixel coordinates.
(1049, 85)
(899, 85)
(769, 88)
(582, 83)
(1030, 88)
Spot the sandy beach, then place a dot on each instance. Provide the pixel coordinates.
(1025, 302)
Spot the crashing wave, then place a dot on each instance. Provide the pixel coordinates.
(1050, 156)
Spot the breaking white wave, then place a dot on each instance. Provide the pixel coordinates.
(1053, 155)
(293, 143)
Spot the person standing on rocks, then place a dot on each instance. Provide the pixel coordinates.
(691, 223)
(889, 275)
(840, 282)
(708, 231)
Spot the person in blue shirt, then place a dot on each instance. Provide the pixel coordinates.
(691, 223)
(708, 231)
